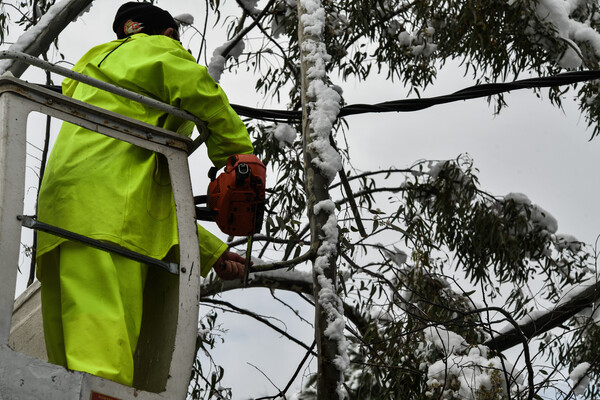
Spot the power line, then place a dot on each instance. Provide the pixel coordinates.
(406, 105)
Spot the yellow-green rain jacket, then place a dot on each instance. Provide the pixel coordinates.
(113, 191)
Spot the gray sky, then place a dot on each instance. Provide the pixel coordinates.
(531, 147)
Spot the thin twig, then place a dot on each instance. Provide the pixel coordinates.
(258, 318)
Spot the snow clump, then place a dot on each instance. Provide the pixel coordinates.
(580, 378)
(472, 376)
(326, 104)
(217, 62)
(322, 117)
(466, 372)
(405, 38)
(445, 340)
(284, 134)
(539, 217)
(184, 19)
(328, 297)
(567, 242)
(558, 13)
(419, 43)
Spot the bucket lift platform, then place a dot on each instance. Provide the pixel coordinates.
(166, 348)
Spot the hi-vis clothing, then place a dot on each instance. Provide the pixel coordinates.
(113, 191)
(92, 310)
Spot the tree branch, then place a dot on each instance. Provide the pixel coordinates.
(240, 35)
(284, 264)
(286, 60)
(353, 207)
(46, 30)
(259, 319)
(542, 323)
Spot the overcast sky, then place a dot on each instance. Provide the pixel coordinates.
(531, 147)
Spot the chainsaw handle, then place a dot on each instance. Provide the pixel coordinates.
(203, 213)
(202, 199)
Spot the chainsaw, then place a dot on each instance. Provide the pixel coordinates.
(236, 199)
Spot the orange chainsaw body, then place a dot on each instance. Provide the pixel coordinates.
(237, 196)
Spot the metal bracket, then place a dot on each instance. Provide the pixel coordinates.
(32, 223)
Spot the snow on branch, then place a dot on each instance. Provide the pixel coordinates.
(322, 106)
(558, 14)
(220, 55)
(38, 38)
(235, 47)
(328, 297)
(580, 378)
(185, 19)
(325, 105)
(472, 373)
(538, 322)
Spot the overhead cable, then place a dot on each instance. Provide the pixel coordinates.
(477, 91)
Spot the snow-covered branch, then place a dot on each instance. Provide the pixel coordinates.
(540, 322)
(575, 33)
(234, 47)
(38, 38)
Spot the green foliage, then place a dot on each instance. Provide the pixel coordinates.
(287, 196)
(447, 227)
(584, 347)
(28, 12)
(493, 240)
(451, 229)
(577, 342)
(391, 358)
(494, 41)
(590, 104)
(3, 26)
(206, 380)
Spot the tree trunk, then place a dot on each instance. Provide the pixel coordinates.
(329, 322)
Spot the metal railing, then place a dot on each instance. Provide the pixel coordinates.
(169, 337)
(128, 94)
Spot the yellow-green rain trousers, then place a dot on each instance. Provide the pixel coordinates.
(112, 302)
(116, 192)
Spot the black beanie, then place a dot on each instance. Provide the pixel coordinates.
(135, 17)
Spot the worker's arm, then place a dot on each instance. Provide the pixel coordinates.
(172, 75)
(211, 249)
(159, 67)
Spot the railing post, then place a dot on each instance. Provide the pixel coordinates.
(170, 341)
(12, 186)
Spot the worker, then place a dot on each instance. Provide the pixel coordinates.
(119, 193)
